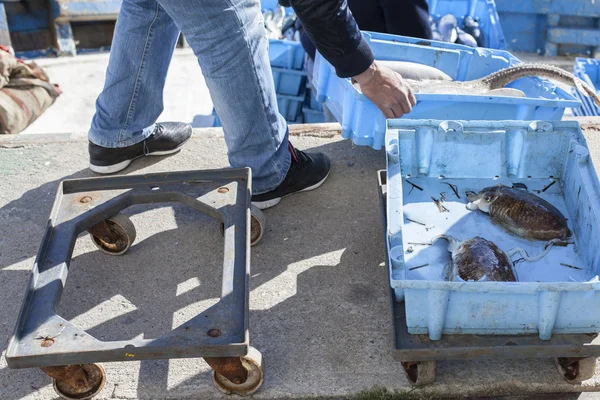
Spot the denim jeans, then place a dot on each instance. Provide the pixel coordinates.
(229, 40)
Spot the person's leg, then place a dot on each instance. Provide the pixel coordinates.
(228, 37)
(132, 98)
(407, 18)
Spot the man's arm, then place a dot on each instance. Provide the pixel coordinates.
(332, 28)
(334, 32)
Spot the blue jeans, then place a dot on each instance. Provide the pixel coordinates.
(229, 40)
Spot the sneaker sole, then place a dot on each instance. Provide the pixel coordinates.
(111, 169)
(263, 205)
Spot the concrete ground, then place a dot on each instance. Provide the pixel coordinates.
(319, 306)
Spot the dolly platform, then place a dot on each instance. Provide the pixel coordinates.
(219, 334)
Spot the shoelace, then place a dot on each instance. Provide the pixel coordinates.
(158, 129)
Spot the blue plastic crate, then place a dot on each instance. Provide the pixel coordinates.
(482, 10)
(363, 123)
(312, 116)
(290, 106)
(588, 70)
(288, 81)
(549, 298)
(311, 100)
(286, 54)
(550, 27)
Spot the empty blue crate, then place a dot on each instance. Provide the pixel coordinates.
(484, 11)
(588, 70)
(560, 293)
(312, 116)
(362, 121)
(290, 106)
(551, 27)
(313, 104)
(288, 81)
(286, 54)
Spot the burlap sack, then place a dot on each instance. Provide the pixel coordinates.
(25, 93)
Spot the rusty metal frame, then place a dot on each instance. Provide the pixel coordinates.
(42, 338)
(411, 348)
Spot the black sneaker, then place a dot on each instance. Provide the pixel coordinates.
(167, 138)
(307, 171)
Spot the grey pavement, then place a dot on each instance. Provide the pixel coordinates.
(319, 306)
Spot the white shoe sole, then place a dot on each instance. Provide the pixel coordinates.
(111, 169)
(263, 205)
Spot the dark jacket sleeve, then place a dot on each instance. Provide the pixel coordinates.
(334, 32)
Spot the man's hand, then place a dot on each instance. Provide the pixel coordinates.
(386, 88)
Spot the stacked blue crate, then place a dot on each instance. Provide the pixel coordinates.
(588, 70)
(312, 110)
(551, 27)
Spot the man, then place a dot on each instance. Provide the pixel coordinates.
(405, 18)
(228, 37)
(396, 17)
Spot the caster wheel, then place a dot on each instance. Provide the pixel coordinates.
(121, 226)
(96, 378)
(258, 223)
(576, 370)
(254, 365)
(419, 373)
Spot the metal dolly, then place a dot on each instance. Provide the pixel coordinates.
(219, 334)
(574, 354)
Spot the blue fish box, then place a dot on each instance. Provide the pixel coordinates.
(286, 54)
(362, 121)
(588, 70)
(312, 116)
(288, 81)
(484, 11)
(559, 293)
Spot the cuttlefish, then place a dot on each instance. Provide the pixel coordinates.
(521, 213)
(478, 259)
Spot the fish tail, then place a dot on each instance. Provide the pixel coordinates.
(501, 78)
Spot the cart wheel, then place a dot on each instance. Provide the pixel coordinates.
(123, 228)
(96, 378)
(258, 223)
(419, 373)
(253, 363)
(576, 370)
